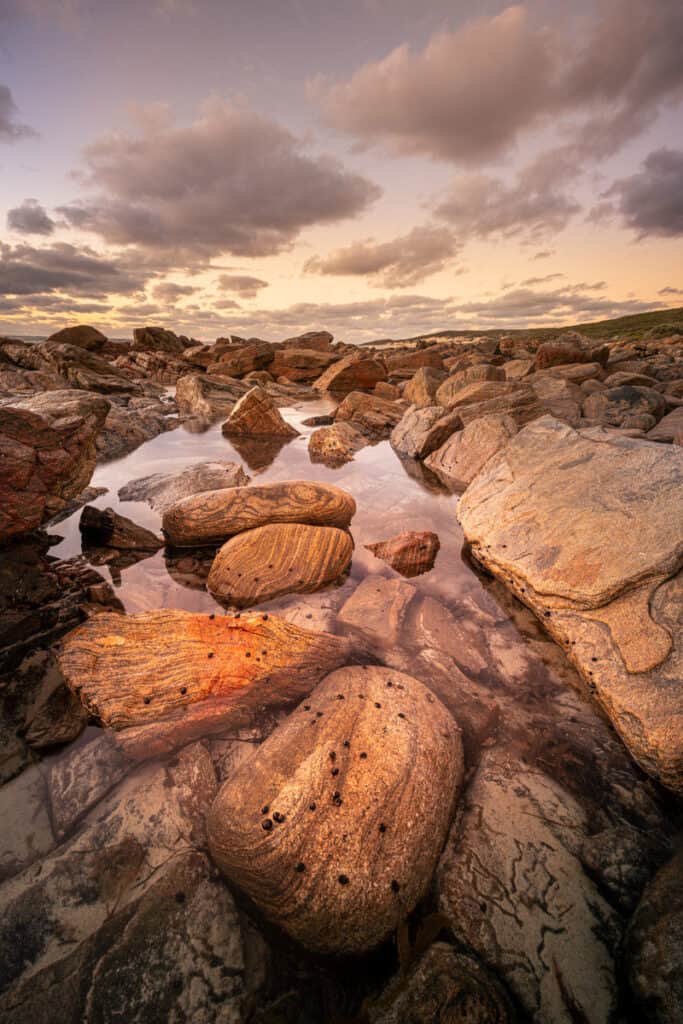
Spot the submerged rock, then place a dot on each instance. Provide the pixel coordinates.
(409, 553)
(163, 678)
(211, 517)
(161, 490)
(334, 826)
(281, 558)
(256, 415)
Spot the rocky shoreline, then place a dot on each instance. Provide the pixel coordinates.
(340, 793)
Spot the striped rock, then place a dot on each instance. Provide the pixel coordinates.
(257, 415)
(212, 516)
(282, 558)
(334, 826)
(410, 553)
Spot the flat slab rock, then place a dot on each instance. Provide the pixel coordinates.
(334, 826)
(281, 558)
(209, 518)
(410, 553)
(585, 527)
(162, 678)
(160, 490)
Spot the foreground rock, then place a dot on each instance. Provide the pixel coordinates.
(106, 528)
(161, 490)
(409, 553)
(211, 517)
(334, 826)
(466, 452)
(356, 371)
(256, 415)
(48, 455)
(282, 558)
(163, 678)
(335, 444)
(599, 563)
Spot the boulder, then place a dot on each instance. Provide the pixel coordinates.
(415, 360)
(207, 397)
(570, 349)
(128, 426)
(372, 416)
(599, 563)
(458, 461)
(158, 339)
(163, 678)
(300, 364)
(521, 404)
(238, 360)
(318, 341)
(48, 451)
(256, 415)
(85, 370)
(421, 389)
(282, 558)
(377, 610)
(209, 518)
(161, 490)
(156, 366)
(623, 406)
(333, 827)
(560, 398)
(82, 336)
(386, 390)
(335, 444)
(654, 947)
(410, 553)
(106, 528)
(515, 369)
(669, 429)
(453, 393)
(421, 431)
(356, 371)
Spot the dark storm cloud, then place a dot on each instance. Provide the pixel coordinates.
(400, 263)
(651, 201)
(242, 284)
(28, 270)
(11, 128)
(30, 219)
(231, 182)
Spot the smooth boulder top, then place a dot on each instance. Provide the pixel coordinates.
(211, 517)
(334, 826)
(579, 514)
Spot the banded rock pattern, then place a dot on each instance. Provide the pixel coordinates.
(410, 553)
(334, 826)
(256, 415)
(281, 558)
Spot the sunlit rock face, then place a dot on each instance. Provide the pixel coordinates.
(334, 826)
(256, 415)
(585, 527)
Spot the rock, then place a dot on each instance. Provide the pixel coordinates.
(669, 429)
(164, 678)
(238, 360)
(409, 553)
(353, 372)
(85, 370)
(445, 986)
(386, 390)
(516, 369)
(154, 366)
(512, 887)
(106, 528)
(282, 558)
(127, 427)
(336, 444)
(211, 517)
(560, 398)
(374, 417)
(421, 431)
(617, 407)
(56, 716)
(421, 389)
(415, 360)
(161, 490)
(377, 610)
(207, 397)
(575, 373)
(654, 947)
(621, 377)
(48, 455)
(158, 339)
(318, 341)
(256, 415)
(599, 563)
(81, 778)
(258, 452)
(466, 452)
(453, 393)
(570, 349)
(333, 846)
(82, 336)
(300, 364)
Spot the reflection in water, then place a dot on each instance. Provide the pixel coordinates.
(259, 452)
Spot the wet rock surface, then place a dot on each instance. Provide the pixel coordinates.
(334, 826)
(161, 490)
(256, 415)
(409, 553)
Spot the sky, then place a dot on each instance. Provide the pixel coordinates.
(378, 168)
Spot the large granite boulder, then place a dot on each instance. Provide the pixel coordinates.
(164, 678)
(282, 558)
(334, 826)
(354, 372)
(48, 452)
(421, 431)
(585, 527)
(83, 336)
(161, 490)
(415, 360)
(466, 452)
(454, 392)
(256, 415)
(209, 518)
(106, 528)
(207, 397)
(373, 416)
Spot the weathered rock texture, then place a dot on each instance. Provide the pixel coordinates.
(375, 417)
(420, 431)
(467, 451)
(281, 558)
(354, 371)
(47, 444)
(210, 517)
(335, 444)
(161, 490)
(165, 677)
(409, 553)
(585, 527)
(256, 415)
(107, 528)
(333, 827)
(207, 397)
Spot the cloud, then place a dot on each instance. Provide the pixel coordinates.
(30, 219)
(28, 270)
(169, 292)
(574, 303)
(11, 129)
(670, 291)
(651, 201)
(544, 254)
(401, 263)
(243, 285)
(230, 182)
(540, 280)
